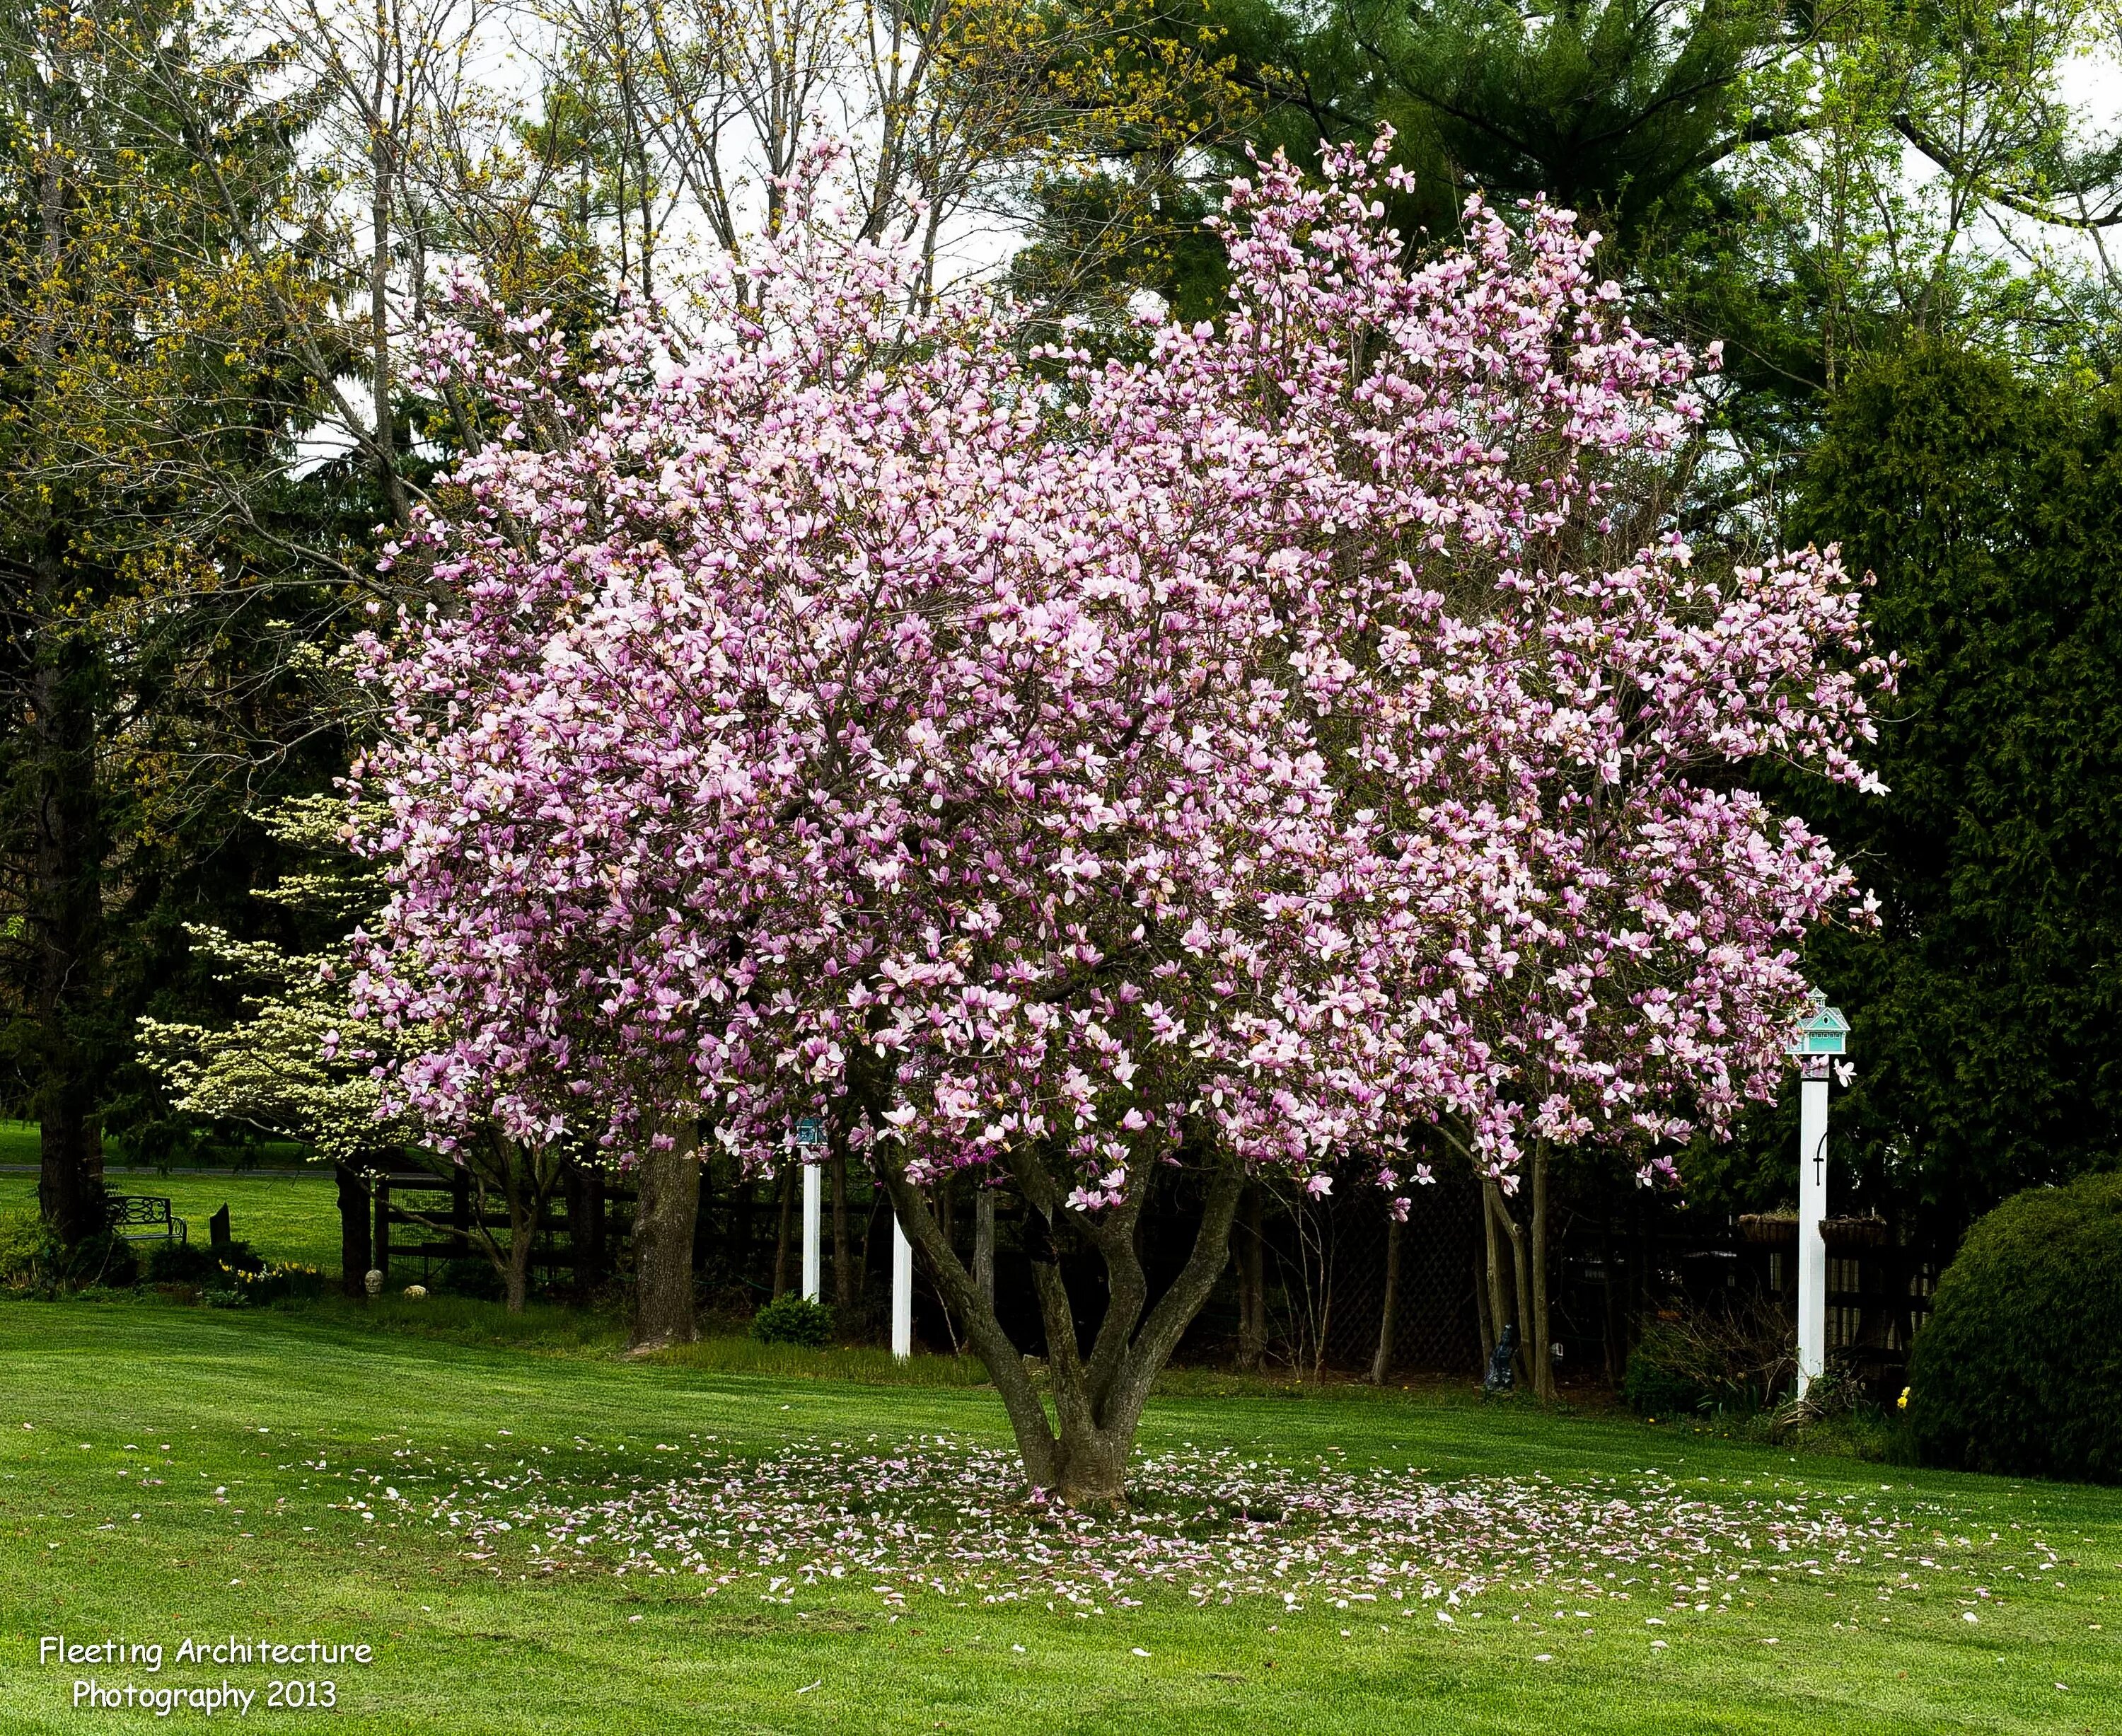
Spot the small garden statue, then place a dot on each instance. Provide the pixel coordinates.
(1499, 1377)
(372, 1281)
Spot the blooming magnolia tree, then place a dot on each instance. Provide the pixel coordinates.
(1063, 772)
(1654, 967)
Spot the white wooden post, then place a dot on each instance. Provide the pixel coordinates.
(1820, 1035)
(902, 1292)
(813, 1198)
(1812, 1210)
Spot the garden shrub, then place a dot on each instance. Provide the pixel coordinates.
(2019, 1369)
(182, 1262)
(105, 1259)
(1714, 1358)
(1661, 1378)
(793, 1320)
(469, 1276)
(29, 1251)
(31, 1257)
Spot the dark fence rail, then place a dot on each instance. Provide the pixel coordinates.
(1321, 1264)
(577, 1233)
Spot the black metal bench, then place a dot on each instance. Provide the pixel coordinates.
(145, 1218)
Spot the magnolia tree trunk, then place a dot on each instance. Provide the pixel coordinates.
(1252, 1284)
(788, 1179)
(1388, 1311)
(524, 1177)
(1484, 1317)
(984, 1226)
(1080, 1454)
(1529, 1265)
(585, 1210)
(524, 1211)
(1543, 1339)
(1514, 1239)
(667, 1204)
(1491, 1273)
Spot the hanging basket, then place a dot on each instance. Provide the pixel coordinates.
(1852, 1235)
(1769, 1229)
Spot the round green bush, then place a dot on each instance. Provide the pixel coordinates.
(2019, 1369)
(793, 1320)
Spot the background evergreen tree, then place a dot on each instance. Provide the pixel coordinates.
(1810, 187)
(158, 647)
(1986, 1008)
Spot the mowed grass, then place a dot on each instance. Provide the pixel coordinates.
(290, 1217)
(241, 1441)
(23, 1142)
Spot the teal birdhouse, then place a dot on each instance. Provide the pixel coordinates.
(1825, 1031)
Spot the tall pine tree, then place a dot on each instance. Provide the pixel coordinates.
(155, 658)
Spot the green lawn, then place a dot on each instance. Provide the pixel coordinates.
(285, 1218)
(21, 1142)
(166, 1472)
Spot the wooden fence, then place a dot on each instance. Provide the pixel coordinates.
(418, 1215)
(1322, 1263)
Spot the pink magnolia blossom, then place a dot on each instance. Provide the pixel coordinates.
(1241, 733)
(1301, 734)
